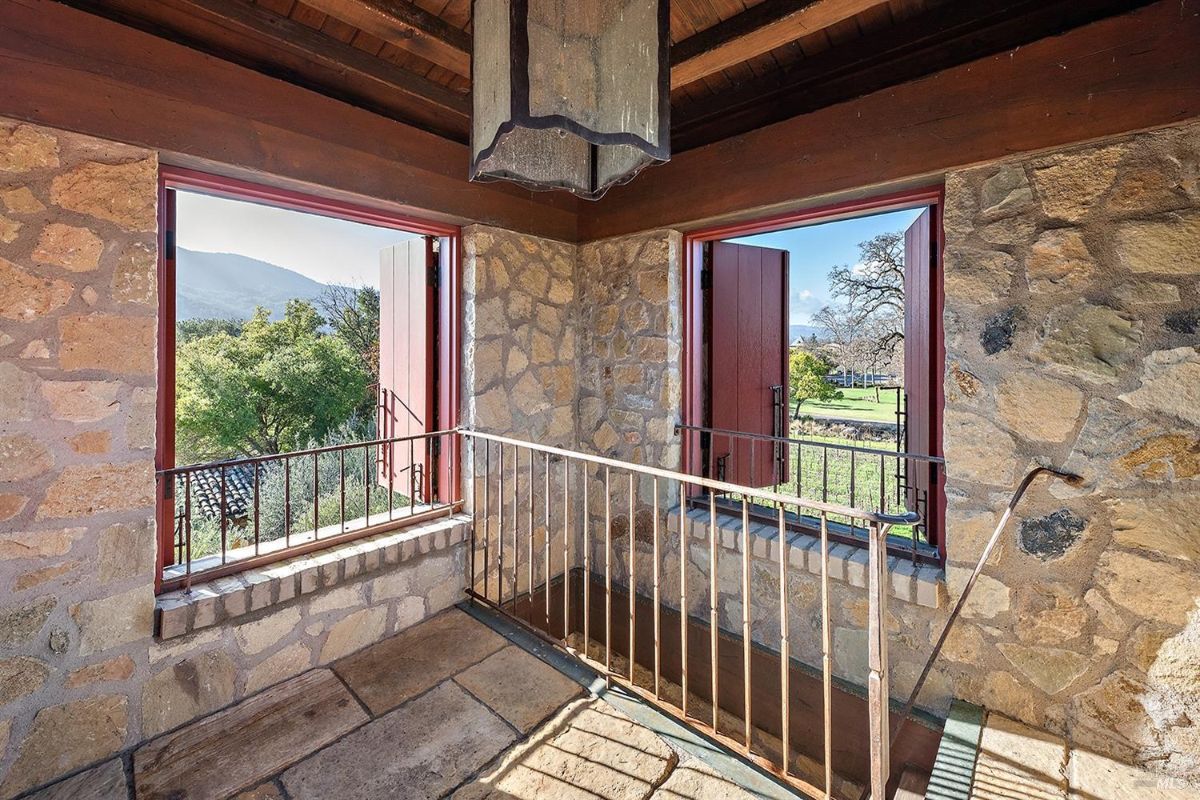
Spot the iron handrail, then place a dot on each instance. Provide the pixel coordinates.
(716, 486)
(679, 426)
(510, 520)
(332, 448)
(1058, 474)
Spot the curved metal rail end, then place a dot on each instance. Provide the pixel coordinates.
(1060, 474)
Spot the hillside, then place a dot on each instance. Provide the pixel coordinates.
(229, 286)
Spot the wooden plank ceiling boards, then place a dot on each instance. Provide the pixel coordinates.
(736, 64)
(772, 100)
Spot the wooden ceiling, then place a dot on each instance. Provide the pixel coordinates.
(736, 64)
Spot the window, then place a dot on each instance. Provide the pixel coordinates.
(813, 360)
(306, 368)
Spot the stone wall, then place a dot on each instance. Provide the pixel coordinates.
(81, 674)
(520, 378)
(77, 371)
(1072, 322)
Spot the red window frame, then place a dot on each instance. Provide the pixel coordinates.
(448, 366)
(693, 351)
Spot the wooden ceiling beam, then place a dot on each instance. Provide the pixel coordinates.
(1125, 73)
(755, 31)
(406, 26)
(945, 37)
(77, 71)
(291, 35)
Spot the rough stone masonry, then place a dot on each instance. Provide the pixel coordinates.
(1071, 294)
(81, 674)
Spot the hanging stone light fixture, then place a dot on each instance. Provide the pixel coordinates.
(569, 94)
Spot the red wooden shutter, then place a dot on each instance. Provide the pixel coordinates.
(407, 299)
(748, 376)
(918, 365)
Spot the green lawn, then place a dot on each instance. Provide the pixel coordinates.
(855, 404)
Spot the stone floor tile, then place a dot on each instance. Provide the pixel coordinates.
(266, 791)
(1094, 777)
(417, 752)
(519, 687)
(695, 780)
(242, 746)
(105, 782)
(588, 751)
(1017, 761)
(397, 669)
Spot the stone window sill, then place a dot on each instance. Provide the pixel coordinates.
(920, 584)
(182, 612)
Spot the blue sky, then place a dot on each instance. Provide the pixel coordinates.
(325, 249)
(816, 249)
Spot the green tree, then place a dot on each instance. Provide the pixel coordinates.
(353, 313)
(275, 387)
(188, 329)
(806, 376)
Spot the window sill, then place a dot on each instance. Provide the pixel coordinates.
(919, 584)
(207, 604)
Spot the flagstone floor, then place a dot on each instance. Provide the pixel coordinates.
(446, 709)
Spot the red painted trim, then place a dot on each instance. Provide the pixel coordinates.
(164, 456)
(234, 189)
(694, 354)
(894, 201)
(937, 494)
(449, 304)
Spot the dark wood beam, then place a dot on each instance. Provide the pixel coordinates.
(758, 30)
(406, 26)
(945, 37)
(1125, 73)
(220, 19)
(68, 69)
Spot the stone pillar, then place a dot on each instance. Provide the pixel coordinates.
(78, 305)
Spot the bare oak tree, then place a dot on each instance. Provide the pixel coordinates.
(873, 290)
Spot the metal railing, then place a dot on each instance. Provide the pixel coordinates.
(513, 572)
(233, 515)
(863, 478)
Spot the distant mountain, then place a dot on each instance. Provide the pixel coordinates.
(229, 286)
(804, 331)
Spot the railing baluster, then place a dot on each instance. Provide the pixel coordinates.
(287, 502)
(566, 548)
(516, 526)
(316, 497)
(487, 516)
(474, 516)
(342, 488)
(367, 487)
(712, 602)
(877, 680)
(413, 488)
(746, 619)
(657, 603)
(684, 536)
(824, 474)
(853, 467)
(632, 575)
(530, 528)
(500, 535)
(224, 517)
(187, 541)
(546, 538)
(826, 657)
(587, 561)
(785, 658)
(256, 512)
(608, 576)
(389, 464)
